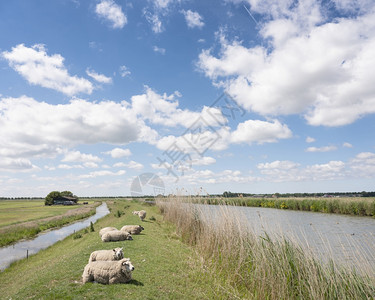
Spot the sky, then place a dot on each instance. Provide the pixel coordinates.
(121, 97)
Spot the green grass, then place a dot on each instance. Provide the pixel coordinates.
(18, 211)
(14, 233)
(347, 206)
(165, 268)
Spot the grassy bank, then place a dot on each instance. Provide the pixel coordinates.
(347, 206)
(251, 267)
(165, 268)
(60, 217)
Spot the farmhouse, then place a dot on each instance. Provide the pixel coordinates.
(65, 200)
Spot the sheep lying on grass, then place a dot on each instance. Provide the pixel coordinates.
(116, 235)
(114, 254)
(108, 272)
(141, 214)
(105, 230)
(132, 229)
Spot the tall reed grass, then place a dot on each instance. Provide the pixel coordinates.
(251, 267)
(347, 206)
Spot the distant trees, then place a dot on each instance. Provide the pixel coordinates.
(52, 196)
(55, 195)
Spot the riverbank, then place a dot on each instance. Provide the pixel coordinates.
(29, 229)
(347, 206)
(252, 267)
(165, 268)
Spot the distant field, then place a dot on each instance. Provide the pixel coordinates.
(19, 211)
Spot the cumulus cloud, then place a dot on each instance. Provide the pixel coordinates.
(310, 140)
(103, 173)
(256, 131)
(38, 68)
(131, 165)
(39, 129)
(98, 77)
(16, 164)
(320, 68)
(321, 149)
(154, 20)
(112, 12)
(119, 152)
(77, 156)
(193, 19)
(347, 145)
(164, 110)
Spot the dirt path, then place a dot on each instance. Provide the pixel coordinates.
(82, 209)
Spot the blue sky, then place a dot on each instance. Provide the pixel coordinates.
(210, 96)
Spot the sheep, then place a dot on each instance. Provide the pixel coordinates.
(116, 235)
(132, 229)
(108, 272)
(141, 214)
(105, 230)
(114, 254)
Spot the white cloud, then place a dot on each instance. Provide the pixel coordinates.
(37, 129)
(131, 165)
(69, 167)
(163, 110)
(16, 164)
(38, 68)
(124, 71)
(193, 19)
(321, 149)
(159, 50)
(330, 85)
(119, 152)
(103, 173)
(363, 164)
(347, 145)
(203, 161)
(112, 12)
(310, 140)
(98, 77)
(76, 156)
(154, 20)
(256, 131)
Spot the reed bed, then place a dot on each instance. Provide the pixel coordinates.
(248, 266)
(347, 206)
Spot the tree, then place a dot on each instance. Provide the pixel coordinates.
(67, 194)
(51, 197)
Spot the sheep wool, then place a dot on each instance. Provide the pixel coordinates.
(107, 255)
(116, 235)
(132, 229)
(108, 272)
(105, 230)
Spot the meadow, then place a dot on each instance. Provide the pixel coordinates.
(25, 219)
(165, 268)
(356, 206)
(180, 255)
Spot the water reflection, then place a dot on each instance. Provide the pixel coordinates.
(348, 240)
(21, 249)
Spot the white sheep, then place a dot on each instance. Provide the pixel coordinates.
(132, 229)
(114, 254)
(116, 235)
(108, 272)
(141, 214)
(105, 230)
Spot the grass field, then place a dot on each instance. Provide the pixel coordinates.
(19, 211)
(28, 218)
(165, 268)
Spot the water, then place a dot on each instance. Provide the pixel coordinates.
(19, 250)
(346, 239)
